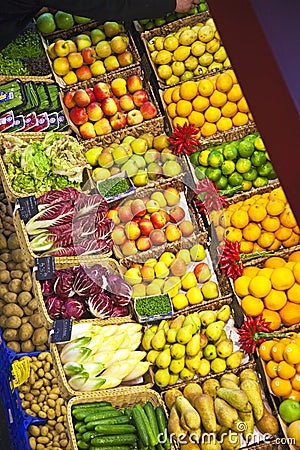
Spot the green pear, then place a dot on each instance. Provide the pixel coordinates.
(139, 161)
(171, 335)
(214, 330)
(190, 321)
(152, 355)
(173, 379)
(210, 352)
(225, 348)
(224, 313)
(210, 387)
(177, 365)
(193, 346)
(177, 351)
(139, 146)
(218, 365)
(207, 317)
(147, 338)
(187, 374)
(159, 340)
(177, 322)
(163, 360)
(162, 378)
(130, 167)
(185, 334)
(192, 363)
(138, 290)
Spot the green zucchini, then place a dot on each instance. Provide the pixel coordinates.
(102, 415)
(150, 412)
(81, 414)
(124, 439)
(121, 420)
(83, 445)
(109, 430)
(153, 440)
(90, 405)
(162, 426)
(142, 433)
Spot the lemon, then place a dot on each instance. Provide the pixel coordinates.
(173, 79)
(206, 59)
(180, 301)
(198, 48)
(224, 82)
(181, 53)
(163, 57)
(178, 68)
(194, 296)
(170, 43)
(206, 33)
(189, 281)
(213, 46)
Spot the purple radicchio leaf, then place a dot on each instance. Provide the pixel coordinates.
(89, 205)
(55, 195)
(90, 246)
(119, 311)
(100, 305)
(86, 226)
(54, 305)
(65, 228)
(63, 283)
(104, 228)
(73, 309)
(99, 275)
(119, 290)
(82, 283)
(63, 251)
(63, 240)
(47, 287)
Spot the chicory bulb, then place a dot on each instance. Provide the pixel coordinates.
(54, 305)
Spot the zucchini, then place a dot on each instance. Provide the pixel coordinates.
(121, 420)
(111, 447)
(153, 440)
(90, 405)
(124, 439)
(81, 414)
(109, 430)
(162, 426)
(102, 415)
(142, 433)
(83, 445)
(150, 412)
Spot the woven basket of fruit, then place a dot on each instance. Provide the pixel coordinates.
(94, 53)
(141, 403)
(118, 362)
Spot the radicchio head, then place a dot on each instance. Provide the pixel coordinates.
(74, 309)
(100, 305)
(63, 283)
(54, 306)
(119, 290)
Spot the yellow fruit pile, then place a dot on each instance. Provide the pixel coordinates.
(282, 358)
(212, 104)
(273, 291)
(262, 222)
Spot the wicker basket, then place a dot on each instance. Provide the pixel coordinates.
(122, 398)
(110, 263)
(60, 261)
(65, 389)
(10, 193)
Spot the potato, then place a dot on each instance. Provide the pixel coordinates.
(32, 442)
(36, 320)
(13, 310)
(11, 265)
(10, 297)
(33, 304)
(5, 257)
(27, 346)
(24, 298)
(17, 255)
(10, 335)
(14, 346)
(27, 282)
(3, 290)
(5, 276)
(16, 274)
(27, 311)
(40, 348)
(40, 336)
(26, 331)
(25, 319)
(15, 286)
(2, 265)
(3, 320)
(13, 322)
(13, 242)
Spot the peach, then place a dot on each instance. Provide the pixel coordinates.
(186, 227)
(143, 243)
(147, 273)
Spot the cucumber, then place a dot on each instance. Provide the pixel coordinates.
(153, 440)
(82, 429)
(83, 445)
(124, 439)
(112, 421)
(90, 405)
(109, 430)
(162, 426)
(142, 433)
(150, 412)
(111, 447)
(88, 435)
(102, 415)
(78, 425)
(81, 414)
(128, 413)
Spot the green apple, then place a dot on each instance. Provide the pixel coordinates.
(139, 160)
(97, 35)
(131, 168)
(139, 146)
(197, 252)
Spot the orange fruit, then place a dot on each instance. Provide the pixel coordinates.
(285, 370)
(274, 262)
(271, 369)
(296, 382)
(291, 353)
(282, 278)
(171, 109)
(293, 294)
(277, 351)
(275, 207)
(288, 219)
(266, 272)
(295, 257)
(208, 129)
(296, 229)
(246, 246)
(229, 109)
(224, 124)
(296, 272)
(257, 213)
(239, 118)
(218, 99)
(241, 286)
(266, 239)
(235, 93)
(273, 318)
(233, 234)
(196, 118)
(175, 96)
(270, 223)
(167, 96)
(200, 103)
(290, 314)
(278, 193)
(259, 286)
(205, 88)
(264, 350)
(250, 271)
(212, 114)
(257, 248)
(280, 387)
(243, 105)
(275, 246)
(224, 82)
(180, 121)
(239, 219)
(294, 395)
(252, 306)
(183, 108)
(290, 265)
(298, 368)
(275, 300)
(188, 90)
(291, 241)
(251, 232)
(283, 233)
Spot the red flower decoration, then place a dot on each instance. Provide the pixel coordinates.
(230, 260)
(208, 196)
(254, 331)
(184, 139)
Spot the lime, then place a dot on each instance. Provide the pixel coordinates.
(243, 165)
(230, 151)
(194, 158)
(260, 182)
(202, 7)
(259, 144)
(246, 148)
(228, 167)
(222, 183)
(215, 159)
(251, 137)
(265, 169)
(250, 175)
(272, 175)
(247, 185)
(258, 158)
(203, 157)
(213, 174)
(199, 172)
(235, 179)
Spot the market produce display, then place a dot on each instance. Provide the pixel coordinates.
(92, 53)
(102, 108)
(244, 162)
(55, 162)
(48, 22)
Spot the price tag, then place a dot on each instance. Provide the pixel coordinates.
(61, 331)
(27, 207)
(44, 268)
(20, 371)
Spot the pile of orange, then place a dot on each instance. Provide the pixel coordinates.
(262, 222)
(282, 358)
(273, 291)
(212, 104)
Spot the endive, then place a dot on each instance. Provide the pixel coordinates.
(77, 343)
(82, 329)
(130, 327)
(91, 368)
(78, 355)
(111, 383)
(77, 381)
(92, 384)
(120, 369)
(139, 370)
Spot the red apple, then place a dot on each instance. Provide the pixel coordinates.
(125, 213)
(157, 237)
(117, 103)
(102, 127)
(89, 55)
(134, 117)
(129, 248)
(125, 58)
(186, 227)
(75, 60)
(81, 98)
(94, 111)
(118, 121)
(84, 73)
(109, 106)
(102, 90)
(140, 97)
(126, 102)
(134, 83)
(172, 233)
(143, 243)
(78, 115)
(166, 215)
(118, 86)
(148, 110)
(158, 219)
(138, 208)
(87, 130)
(146, 226)
(176, 214)
(118, 235)
(91, 94)
(202, 272)
(69, 99)
(132, 230)
(136, 220)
